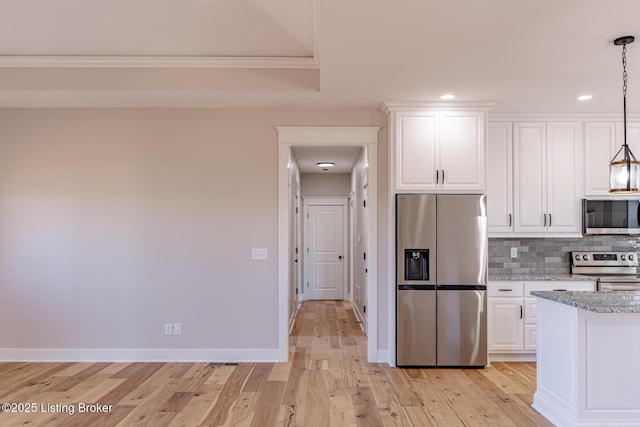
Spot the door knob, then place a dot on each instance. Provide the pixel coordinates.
(339, 256)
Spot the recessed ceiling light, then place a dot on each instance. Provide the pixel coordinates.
(323, 165)
(447, 96)
(584, 97)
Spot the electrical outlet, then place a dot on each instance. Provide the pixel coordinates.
(514, 252)
(168, 329)
(177, 329)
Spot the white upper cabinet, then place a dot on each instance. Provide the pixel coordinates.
(600, 141)
(462, 150)
(417, 150)
(547, 177)
(530, 176)
(535, 178)
(565, 177)
(603, 139)
(500, 177)
(437, 149)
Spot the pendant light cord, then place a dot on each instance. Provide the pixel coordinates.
(624, 90)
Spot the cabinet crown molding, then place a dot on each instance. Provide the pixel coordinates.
(550, 117)
(388, 107)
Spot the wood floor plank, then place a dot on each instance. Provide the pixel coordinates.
(79, 377)
(317, 406)
(365, 408)
(202, 402)
(137, 377)
(258, 377)
(269, 404)
(243, 410)
(228, 395)
(519, 412)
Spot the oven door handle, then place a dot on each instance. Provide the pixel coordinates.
(617, 286)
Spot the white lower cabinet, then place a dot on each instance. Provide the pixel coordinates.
(511, 316)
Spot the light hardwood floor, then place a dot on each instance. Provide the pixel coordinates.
(327, 382)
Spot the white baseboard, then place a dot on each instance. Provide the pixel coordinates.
(210, 355)
(512, 357)
(382, 357)
(292, 320)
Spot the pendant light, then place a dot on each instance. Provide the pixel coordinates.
(624, 169)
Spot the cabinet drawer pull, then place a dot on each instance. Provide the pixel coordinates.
(564, 290)
(505, 290)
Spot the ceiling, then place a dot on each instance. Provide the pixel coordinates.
(526, 56)
(344, 158)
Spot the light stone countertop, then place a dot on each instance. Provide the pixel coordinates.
(525, 277)
(599, 302)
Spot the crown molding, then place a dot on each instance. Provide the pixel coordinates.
(388, 107)
(16, 61)
(549, 117)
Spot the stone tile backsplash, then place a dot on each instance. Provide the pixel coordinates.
(550, 256)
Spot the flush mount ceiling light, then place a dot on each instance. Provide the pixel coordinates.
(624, 169)
(584, 97)
(447, 96)
(325, 165)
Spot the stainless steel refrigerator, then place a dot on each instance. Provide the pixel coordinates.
(441, 243)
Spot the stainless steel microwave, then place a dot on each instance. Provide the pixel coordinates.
(610, 216)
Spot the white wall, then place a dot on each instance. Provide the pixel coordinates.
(115, 221)
(321, 184)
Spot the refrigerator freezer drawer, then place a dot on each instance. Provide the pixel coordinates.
(462, 328)
(416, 329)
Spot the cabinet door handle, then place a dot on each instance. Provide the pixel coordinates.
(505, 290)
(545, 220)
(549, 220)
(510, 222)
(521, 312)
(437, 176)
(443, 176)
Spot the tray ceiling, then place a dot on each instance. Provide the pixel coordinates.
(524, 56)
(217, 28)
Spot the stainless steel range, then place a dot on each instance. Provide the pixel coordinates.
(616, 271)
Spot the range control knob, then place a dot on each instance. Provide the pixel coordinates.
(623, 257)
(630, 257)
(585, 257)
(577, 257)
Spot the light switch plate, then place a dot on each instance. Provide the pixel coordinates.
(259, 254)
(514, 252)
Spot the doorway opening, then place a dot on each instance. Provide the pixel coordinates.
(311, 251)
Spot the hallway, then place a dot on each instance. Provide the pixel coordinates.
(327, 382)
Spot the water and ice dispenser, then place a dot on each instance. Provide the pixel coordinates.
(416, 264)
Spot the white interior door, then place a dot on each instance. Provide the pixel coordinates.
(326, 252)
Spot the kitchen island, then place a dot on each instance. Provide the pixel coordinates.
(588, 358)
